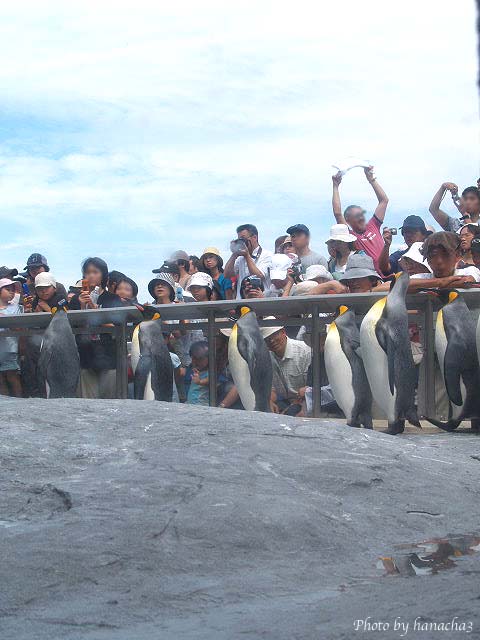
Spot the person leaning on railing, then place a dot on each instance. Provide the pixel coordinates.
(442, 251)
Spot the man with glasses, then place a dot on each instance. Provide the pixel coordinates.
(369, 237)
(248, 258)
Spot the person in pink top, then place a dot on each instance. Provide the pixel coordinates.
(368, 234)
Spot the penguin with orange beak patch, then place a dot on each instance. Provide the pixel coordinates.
(151, 361)
(345, 370)
(456, 348)
(387, 356)
(250, 362)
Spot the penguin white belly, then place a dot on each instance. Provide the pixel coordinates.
(375, 362)
(339, 372)
(134, 358)
(240, 373)
(440, 349)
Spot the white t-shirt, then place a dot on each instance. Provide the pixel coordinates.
(263, 261)
(467, 271)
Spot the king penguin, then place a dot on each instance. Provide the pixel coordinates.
(150, 359)
(345, 370)
(387, 356)
(456, 340)
(59, 362)
(250, 362)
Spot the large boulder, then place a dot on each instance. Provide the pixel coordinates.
(141, 520)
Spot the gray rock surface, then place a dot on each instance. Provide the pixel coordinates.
(132, 520)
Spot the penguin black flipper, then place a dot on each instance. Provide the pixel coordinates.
(387, 344)
(452, 374)
(144, 367)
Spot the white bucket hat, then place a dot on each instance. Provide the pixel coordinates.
(414, 254)
(315, 271)
(200, 279)
(341, 233)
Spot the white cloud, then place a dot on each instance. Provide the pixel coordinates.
(124, 119)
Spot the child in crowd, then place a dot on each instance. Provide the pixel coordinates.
(9, 367)
(198, 392)
(127, 290)
(46, 296)
(201, 287)
(212, 264)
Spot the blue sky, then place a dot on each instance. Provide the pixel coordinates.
(131, 129)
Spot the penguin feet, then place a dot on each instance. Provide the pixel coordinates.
(394, 428)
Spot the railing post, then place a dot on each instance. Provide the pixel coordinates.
(316, 384)
(122, 360)
(212, 368)
(429, 360)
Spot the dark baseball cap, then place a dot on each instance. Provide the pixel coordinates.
(298, 228)
(37, 260)
(6, 272)
(414, 222)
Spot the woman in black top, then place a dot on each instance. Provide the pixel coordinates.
(97, 351)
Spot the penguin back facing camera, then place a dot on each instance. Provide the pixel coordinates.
(151, 361)
(59, 361)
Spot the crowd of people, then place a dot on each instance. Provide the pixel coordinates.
(357, 258)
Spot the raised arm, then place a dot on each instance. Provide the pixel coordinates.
(229, 268)
(440, 216)
(379, 192)
(384, 258)
(336, 204)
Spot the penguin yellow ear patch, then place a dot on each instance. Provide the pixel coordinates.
(342, 309)
(54, 310)
(244, 311)
(453, 295)
(156, 316)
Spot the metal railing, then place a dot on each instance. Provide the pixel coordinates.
(292, 311)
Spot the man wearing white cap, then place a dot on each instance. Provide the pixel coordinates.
(290, 359)
(341, 244)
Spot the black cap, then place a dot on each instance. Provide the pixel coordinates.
(6, 272)
(298, 228)
(37, 260)
(414, 222)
